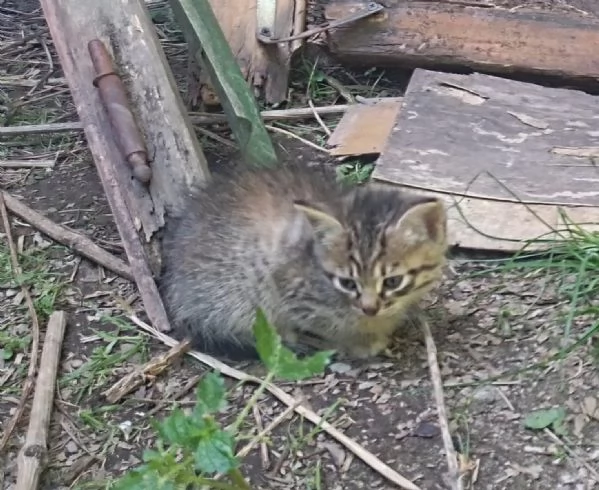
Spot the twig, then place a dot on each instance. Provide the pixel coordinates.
(273, 115)
(573, 454)
(362, 453)
(450, 453)
(32, 455)
(195, 117)
(182, 392)
(27, 163)
(245, 450)
(76, 241)
(35, 332)
(41, 128)
(263, 447)
(154, 367)
(292, 135)
(319, 119)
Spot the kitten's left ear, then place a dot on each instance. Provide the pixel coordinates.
(324, 225)
(423, 221)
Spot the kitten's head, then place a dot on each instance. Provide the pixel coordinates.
(384, 250)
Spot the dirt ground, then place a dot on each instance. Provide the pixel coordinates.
(495, 331)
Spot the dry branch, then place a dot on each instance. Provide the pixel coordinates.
(76, 241)
(195, 117)
(27, 163)
(450, 453)
(35, 332)
(40, 128)
(32, 455)
(154, 367)
(358, 450)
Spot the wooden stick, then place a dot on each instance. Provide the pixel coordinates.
(27, 163)
(35, 331)
(196, 118)
(154, 367)
(358, 450)
(76, 241)
(450, 452)
(32, 455)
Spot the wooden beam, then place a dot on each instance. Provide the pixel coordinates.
(177, 159)
(435, 34)
(208, 45)
(128, 33)
(265, 67)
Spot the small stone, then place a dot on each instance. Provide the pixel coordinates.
(340, 367)
(427, 430)
(486, 394)
(71, 448)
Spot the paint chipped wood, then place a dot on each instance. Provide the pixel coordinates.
(500, 143)
(436, 34)
(365, 128)
(266, 68)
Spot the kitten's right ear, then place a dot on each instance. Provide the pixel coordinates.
(323, 223)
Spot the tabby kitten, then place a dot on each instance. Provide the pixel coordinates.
(330, 266)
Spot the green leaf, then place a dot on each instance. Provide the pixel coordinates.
(282, 361)
(211, 393)
(179, 429)
(293, 369)
(541, 419)
(144, 478)
(6, 353)
(268, 342)
(215, 454)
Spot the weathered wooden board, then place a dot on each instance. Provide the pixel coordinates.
(265, 67)
(508, 146)
(364, 128)
(434, 34)
(177, 159)
(127, 32)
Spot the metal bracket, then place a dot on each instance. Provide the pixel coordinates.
(266, 15)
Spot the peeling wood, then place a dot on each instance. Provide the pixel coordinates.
(364, 128)
(128, 33)
(265, 67)
(436, 34)
(523, 148)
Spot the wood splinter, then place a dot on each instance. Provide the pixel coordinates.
(32, 455)
(154, 367)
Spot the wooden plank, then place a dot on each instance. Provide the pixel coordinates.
(210, 48)
(497, 142)
(364, 128)
(266, 68)
(435, 34)
(127, 31)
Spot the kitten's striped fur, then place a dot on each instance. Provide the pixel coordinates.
(330, 266)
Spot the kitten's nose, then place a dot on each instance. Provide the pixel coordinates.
(370, 310)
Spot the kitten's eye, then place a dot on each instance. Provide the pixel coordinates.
(393, 282)
(347, 284)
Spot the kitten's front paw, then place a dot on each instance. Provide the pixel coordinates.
(365, 348)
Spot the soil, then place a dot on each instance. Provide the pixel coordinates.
(492, 331)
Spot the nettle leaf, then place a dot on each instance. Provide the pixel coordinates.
(216, 454)
(179, 429)
(293, 369)
(541, 419)
(282, 361)
(211, 394)
(6, 354)
(268, 342)
(144, 478)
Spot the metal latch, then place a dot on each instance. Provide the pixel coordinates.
(266, 20)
